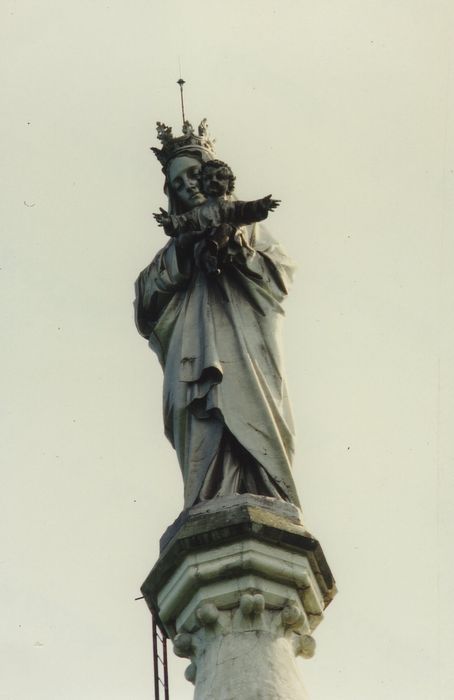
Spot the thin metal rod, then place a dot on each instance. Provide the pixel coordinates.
(181, 82)
(166, 674)
(155, 662)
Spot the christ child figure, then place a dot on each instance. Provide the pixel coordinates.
(217, 219)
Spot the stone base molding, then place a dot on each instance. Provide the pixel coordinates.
(239, 590)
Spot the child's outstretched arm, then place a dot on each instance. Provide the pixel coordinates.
(270, 203)
(165, 220)
(250, 212)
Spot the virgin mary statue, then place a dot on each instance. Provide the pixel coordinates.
(225, 403)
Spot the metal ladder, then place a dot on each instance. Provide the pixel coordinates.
(161, 677)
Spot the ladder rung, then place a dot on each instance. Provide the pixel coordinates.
(158, 634)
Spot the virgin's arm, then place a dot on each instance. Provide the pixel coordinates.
(168, 274)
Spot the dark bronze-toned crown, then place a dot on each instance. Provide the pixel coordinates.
(172, 145)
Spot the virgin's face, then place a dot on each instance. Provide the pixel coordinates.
(183, 178)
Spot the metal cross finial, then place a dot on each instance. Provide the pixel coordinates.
(181, 82)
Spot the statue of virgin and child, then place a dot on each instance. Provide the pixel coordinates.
(210, 305)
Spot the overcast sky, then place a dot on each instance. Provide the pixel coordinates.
(344, 110)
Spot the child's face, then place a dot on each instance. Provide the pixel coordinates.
(215, 181)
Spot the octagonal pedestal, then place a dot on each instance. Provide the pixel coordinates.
(239, 587)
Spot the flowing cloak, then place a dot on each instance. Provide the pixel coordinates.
(218, 344)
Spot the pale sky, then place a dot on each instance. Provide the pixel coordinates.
(344, 110)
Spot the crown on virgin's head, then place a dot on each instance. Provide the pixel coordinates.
(172, 145)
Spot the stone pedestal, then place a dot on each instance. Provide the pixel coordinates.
(239, 587)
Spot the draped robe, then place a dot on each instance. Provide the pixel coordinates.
(225, 400)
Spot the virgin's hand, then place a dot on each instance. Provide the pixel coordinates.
(186, 241)
(221, 235)
(209, 263)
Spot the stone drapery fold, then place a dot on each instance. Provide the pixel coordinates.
(218, 343)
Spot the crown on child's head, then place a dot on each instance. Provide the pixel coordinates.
(189, 141)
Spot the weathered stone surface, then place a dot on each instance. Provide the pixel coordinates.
(240, 590)
(232, 506)
(247, 656)
(254, 517)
